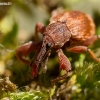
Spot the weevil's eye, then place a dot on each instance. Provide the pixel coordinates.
(48, 45)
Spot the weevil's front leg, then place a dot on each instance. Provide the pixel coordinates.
(64, 65)
(25, 49)
(80, 49)
(63, 60)
(38, 28)
(29, 47)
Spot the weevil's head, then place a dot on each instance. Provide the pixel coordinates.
(55, 36)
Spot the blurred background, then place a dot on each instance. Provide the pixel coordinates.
(17, 23)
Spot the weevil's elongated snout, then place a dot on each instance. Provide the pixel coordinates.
(35, 65)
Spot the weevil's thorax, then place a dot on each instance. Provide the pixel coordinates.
(57, 34)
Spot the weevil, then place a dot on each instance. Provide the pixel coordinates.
(73, 31)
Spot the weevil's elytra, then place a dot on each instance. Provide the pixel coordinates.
(73, 31)
(81, 25)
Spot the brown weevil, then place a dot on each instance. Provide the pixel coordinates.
(73, 30)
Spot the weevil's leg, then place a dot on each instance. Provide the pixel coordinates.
(64, 65)
(63, 60)
(58, 79)
(25, 49)
(91, 40)
(80, 49)
(38, 28)
(93, 55)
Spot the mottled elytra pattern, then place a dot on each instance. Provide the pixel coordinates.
(80, 24)
(73, 31)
